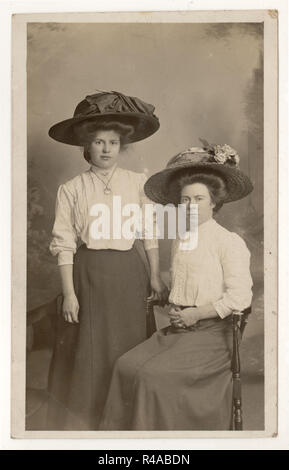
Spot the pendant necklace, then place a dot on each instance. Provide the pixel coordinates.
(107, 190)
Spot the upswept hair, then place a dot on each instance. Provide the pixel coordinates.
(87, 129)
(215, 184)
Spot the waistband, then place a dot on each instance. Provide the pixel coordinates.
(84, 247)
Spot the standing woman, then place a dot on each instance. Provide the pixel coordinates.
(180, 378)
(104, 280)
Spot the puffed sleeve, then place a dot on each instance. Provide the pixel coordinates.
(64, 241)
(238, 283)
(148, 223)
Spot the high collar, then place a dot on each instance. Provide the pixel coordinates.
(207, 225)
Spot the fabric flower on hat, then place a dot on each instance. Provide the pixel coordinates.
(222, 153)
(226, 154)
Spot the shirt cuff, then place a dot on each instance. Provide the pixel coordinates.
(221, 309)
(150, 244)
(65, 257)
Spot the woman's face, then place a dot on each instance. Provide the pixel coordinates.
(104, 148)
(198, 193)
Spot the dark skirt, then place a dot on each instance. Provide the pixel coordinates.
(111, 287)
(180, 381)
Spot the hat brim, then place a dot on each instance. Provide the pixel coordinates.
(157, 187)
(144, 126)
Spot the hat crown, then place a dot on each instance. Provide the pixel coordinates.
(209, 154)
(112, 102)
(193, 155)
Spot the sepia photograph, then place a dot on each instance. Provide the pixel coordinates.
(145, 277)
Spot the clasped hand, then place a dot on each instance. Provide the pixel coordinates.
(182, 318)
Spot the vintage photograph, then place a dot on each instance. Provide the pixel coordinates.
(145, 226)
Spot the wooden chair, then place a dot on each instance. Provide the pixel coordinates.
(239, 322)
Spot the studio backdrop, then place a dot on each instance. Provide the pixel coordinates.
(205, 81)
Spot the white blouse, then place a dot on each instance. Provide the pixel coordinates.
(73, 217)
(217, 271)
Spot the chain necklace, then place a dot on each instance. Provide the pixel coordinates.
(107, 190)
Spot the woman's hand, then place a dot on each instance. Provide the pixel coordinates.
(175, 318)
(160, 291)
(70, 304)
(70, 308)
(189, 316)
(183, 318)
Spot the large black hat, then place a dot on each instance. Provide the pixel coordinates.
(107, 106)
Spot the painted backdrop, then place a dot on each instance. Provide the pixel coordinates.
(205, 80)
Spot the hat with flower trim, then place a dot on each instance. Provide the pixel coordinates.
(221, 160)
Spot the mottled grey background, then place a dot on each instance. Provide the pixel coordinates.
(205, 80)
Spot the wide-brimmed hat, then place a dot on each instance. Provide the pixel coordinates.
(221, 160)
(105, 106)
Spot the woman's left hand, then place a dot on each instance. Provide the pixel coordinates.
(160, 291)
(185, 317)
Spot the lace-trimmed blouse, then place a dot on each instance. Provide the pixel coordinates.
(216, 271)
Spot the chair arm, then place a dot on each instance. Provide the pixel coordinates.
(240, 319)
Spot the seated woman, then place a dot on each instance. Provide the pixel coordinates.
(180, 378)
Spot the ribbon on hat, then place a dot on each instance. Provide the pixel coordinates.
(115, 102)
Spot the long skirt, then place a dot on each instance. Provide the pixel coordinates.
(111, 287)
(174, 381)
